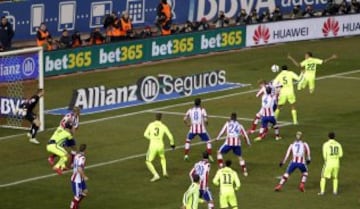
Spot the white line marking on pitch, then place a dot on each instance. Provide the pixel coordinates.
(210, 116)
(347, 77)
(177, 105)
(131, 157)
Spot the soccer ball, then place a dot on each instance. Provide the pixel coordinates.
(275, 68)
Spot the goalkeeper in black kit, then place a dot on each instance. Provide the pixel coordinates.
(27, 108)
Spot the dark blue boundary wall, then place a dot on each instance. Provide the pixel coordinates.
(83, 15)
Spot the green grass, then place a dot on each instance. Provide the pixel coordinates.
(125, 183)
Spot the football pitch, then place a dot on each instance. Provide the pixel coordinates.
(116, 146)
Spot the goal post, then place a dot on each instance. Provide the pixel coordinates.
(21, 74)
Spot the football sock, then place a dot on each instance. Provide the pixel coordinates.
(284, 178)
(163, 165)
(210, 205)
(294, 116)
(208, 147)
(255, 122)
(187, 146)
(220, 160)
(277, 130)
(33, 130)
(335, 185)
(304, 177)
(151, 168)
(243, 165)
(322, 185)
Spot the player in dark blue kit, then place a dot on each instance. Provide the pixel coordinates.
(27, 107)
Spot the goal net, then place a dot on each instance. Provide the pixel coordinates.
(21, 74)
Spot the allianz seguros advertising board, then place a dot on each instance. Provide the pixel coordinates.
(147, 89)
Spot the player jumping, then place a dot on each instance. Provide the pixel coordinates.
(267, 115)
(196, 119)
(301, 157)
(233, 131)
(309, 73)
(285, 78)
(275, 90)
(28, 107)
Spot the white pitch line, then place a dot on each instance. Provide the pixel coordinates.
(210, 116)
(347, 77)
(180, 104)
(177, 105)
(131, 157)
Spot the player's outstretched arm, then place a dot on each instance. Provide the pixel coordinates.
(334, 56)
(293, 60)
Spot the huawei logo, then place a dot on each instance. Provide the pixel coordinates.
(330, 25)
(261, 33)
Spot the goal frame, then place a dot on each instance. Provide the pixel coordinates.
(40, 78)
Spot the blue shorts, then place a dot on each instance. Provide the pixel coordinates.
(266, 120)
(206, 195)
(78, 188)
(292, 166)
(203, 136)
(69, 143)
(226, 148)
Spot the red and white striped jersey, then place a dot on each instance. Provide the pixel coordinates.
(70, 117)
(299, 150)
(201, 168)
(198, 117)
(275, 89)
(79, 163)
(267, 105)
(233, 130)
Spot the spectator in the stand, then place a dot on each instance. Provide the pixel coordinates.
(188, 27)
(96, 37)
(76, 39)
(265, 16)
(126, 28)
(309, 12)
(109, 21)
(277, 15)
(243, 18)
(65, 40)
(343, 8)
(354, 7)
(296, 12)
(115, 33)
(42, 36)
(51, 44)
(6, 34)
(253, 17)
(221, 21)
(202, 25)
(146, 32)
(174, 29)
(164, 17)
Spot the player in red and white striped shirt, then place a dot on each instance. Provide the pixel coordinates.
(202, 169)
(196, 119)
(268, 115)
(233, 130)
(78, 178)
(73, 118)
(300, 151)
(275, 89)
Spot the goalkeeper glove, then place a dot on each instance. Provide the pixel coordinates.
(172, 147)
(281, 164)
(308, 162)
